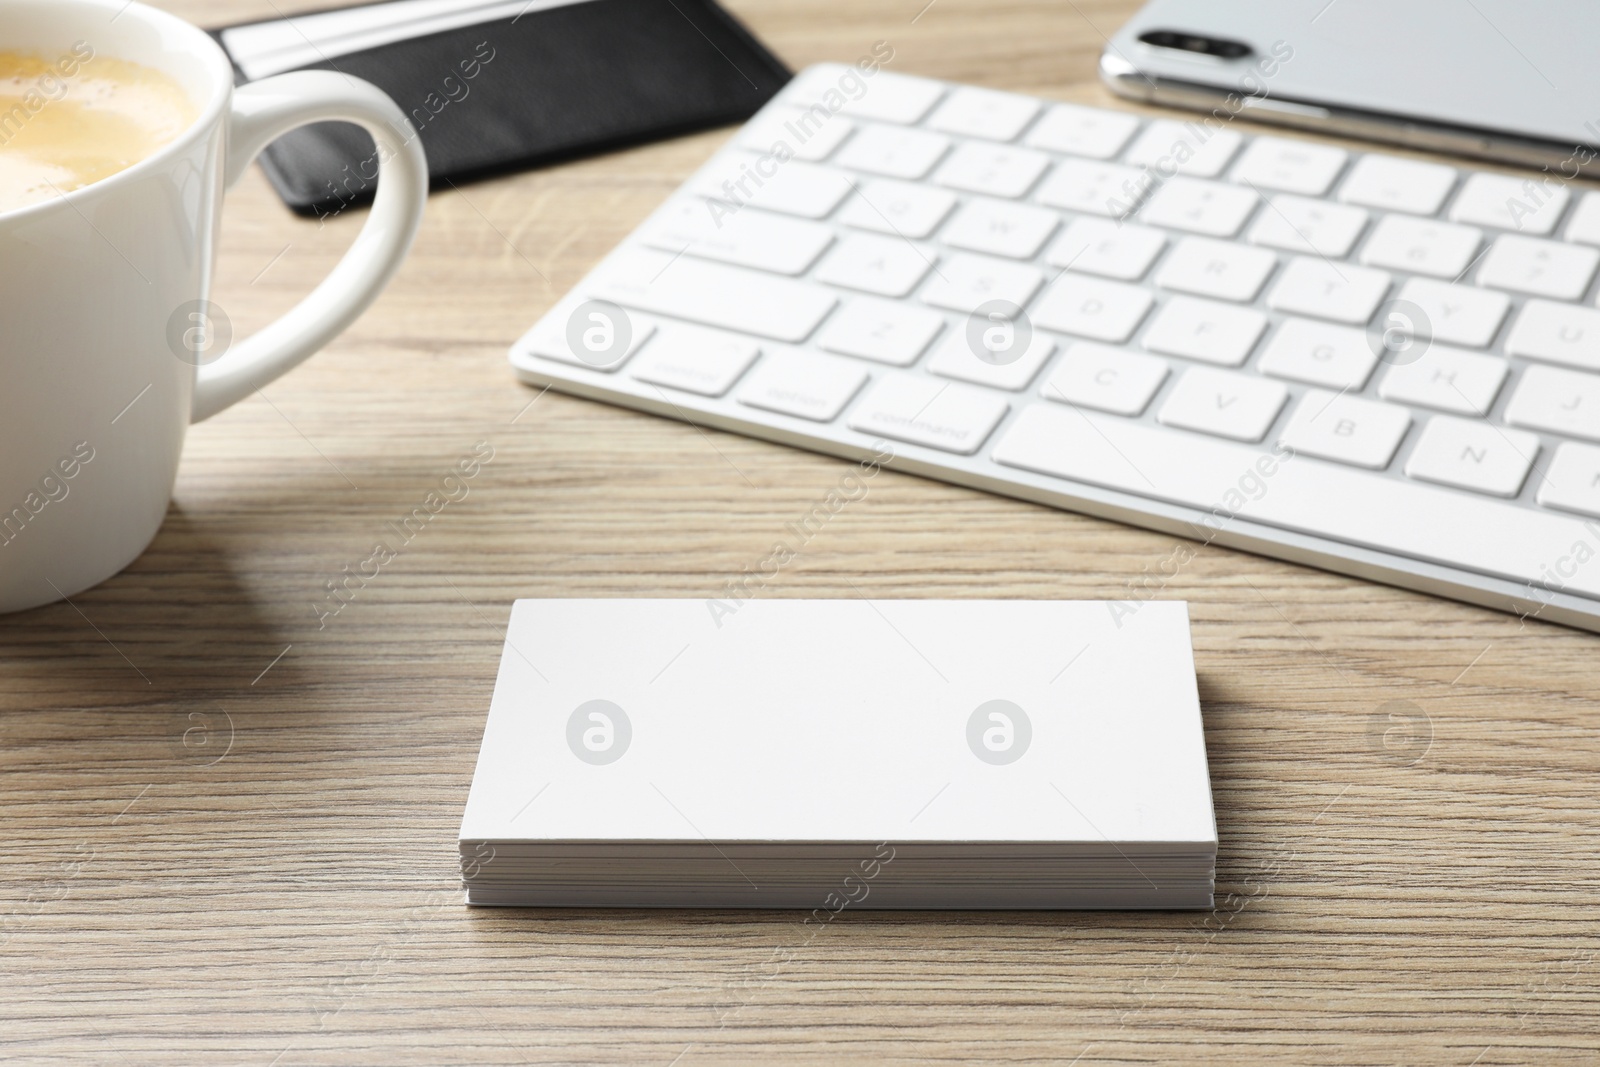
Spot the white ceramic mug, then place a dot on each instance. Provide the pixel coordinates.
(97, 285)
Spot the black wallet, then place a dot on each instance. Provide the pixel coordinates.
(549, 85)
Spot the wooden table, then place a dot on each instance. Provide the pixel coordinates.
(230, 833)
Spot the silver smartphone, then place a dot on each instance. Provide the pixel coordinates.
(1511, 80)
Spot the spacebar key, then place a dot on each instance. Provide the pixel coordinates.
(714, 295)
(1297, 493)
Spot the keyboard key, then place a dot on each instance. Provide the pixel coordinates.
(750, 238)
(900, 208)
(1542, 268)
(989, 355)
(606, 342)
(792, 188)
(887, 331)
(1109, 249)
(887, 266)
(714, 295)
(806, 135)
(804, 384)
(1557, 333)
(1572, 480)
(1472, 455)
(1561, 401)
(1346, 429)
(1216, 268)
(1185, 147)
(1457, 314)
(1322, 499)
(1397, 184)
(1105, 378)
(992, 169)
(1000, 228)
(1510, 203)
(1223, 403)
(1318, 353)
(1585, 225)
(1447, 379)
(985, 113)
(926, 411)
(1338, 291)
(1092, 308)
(886, 98)
(963, 282)
(1108, 189)
(1421, 246)
(1082, 131)
(892, 151)
(1205, 330)
(1210, 208)
(694, 360)
(1292, 166)
(1314, 227)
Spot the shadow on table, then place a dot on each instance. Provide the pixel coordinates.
(177, 621)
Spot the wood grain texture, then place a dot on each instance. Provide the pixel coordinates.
(289, 894)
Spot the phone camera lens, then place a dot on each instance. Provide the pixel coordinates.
(1196, 44)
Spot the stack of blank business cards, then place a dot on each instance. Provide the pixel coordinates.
(832, 754)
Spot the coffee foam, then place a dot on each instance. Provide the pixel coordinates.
(72, 121)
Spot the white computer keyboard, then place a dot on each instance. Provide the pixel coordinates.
(1371, 364)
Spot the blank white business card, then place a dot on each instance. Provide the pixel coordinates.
(807, 721)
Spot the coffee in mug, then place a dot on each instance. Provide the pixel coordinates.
(72, 120)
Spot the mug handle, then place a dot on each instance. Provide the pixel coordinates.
(264, 111)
